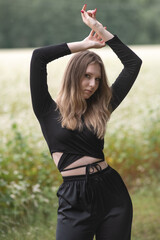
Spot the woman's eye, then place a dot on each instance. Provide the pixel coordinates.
(98, 79)
(87, 75)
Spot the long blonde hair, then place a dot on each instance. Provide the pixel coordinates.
(71, 103)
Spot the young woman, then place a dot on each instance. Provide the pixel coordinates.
(93, 199)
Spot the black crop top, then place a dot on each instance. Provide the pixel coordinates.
(75, 144)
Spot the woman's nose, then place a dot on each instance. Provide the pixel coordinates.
(92, 82)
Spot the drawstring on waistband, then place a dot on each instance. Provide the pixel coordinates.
(92, 166)
(89, 190)
(88, 167)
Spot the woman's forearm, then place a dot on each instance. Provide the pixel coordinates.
(78, 46)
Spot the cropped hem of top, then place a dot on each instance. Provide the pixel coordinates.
(75, 144)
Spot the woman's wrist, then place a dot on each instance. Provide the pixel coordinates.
(103, 33)
(79, 46)
(96, 26)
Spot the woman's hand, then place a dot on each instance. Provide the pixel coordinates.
(89, 18)
(94, 40)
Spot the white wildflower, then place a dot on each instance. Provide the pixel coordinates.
(140, 168)
(12, 196)
(36, 188)
(15, 172)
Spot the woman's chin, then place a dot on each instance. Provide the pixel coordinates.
(87, 96)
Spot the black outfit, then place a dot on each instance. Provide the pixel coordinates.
(96, 203)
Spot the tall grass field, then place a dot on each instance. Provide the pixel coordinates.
(29, 179)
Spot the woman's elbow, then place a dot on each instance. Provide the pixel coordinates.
(139, 62)
(35, 53)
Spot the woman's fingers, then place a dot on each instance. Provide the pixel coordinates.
(91, 13)
(94, 12)
(84, 7)
(89, 17)
(97, 41)
(96, 35)
(92, 33)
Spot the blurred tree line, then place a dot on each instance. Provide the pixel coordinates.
(32, 23)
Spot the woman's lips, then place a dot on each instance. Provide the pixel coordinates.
(88, 91)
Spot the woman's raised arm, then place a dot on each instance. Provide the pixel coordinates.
(128, 58)
(42, 101)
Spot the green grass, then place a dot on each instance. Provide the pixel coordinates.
(146, 214)
(28, 177)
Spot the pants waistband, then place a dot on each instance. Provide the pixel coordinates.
(87, 175)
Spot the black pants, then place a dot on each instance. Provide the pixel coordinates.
(100, 206)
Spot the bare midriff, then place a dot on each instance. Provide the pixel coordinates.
(81, 161)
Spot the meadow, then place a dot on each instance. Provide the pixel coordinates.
(28, 176)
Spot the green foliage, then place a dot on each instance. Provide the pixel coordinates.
(26, 178)
(36, 23)
(136, 154)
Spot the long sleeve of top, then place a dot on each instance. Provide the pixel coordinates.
(128, 75)
(41, 98)
(72, 143)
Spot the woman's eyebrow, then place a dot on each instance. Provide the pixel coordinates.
(99, 76)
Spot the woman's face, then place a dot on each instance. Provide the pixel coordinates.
(90, 80)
